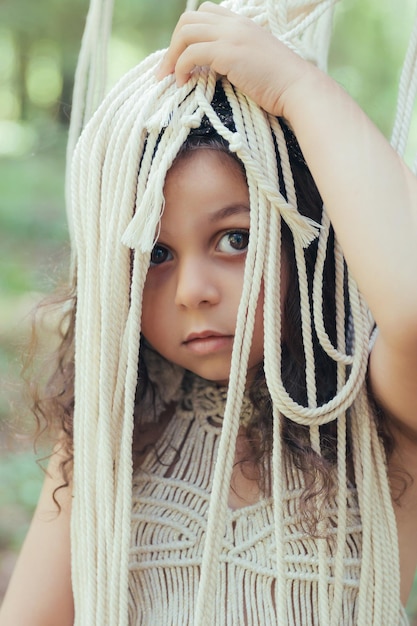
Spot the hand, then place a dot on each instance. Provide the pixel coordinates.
(253, 60)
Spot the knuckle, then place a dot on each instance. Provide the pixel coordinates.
(183, 19)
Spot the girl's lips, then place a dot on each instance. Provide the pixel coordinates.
(207, 342)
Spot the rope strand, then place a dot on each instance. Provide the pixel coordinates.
(117, 178)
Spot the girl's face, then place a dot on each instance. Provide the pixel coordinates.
(194, 283)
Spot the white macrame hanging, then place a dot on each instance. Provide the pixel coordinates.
(117, 174)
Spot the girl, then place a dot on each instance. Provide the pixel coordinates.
(274, 433)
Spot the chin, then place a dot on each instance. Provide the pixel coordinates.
(219, 378)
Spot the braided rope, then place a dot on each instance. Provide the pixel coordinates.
(342, 482)
(90, 80)
(117, 177)
(407, 92)
(192, 5)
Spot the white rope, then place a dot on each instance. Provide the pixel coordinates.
(90, 80)
(305, 26)
(192, 5)
(407, 92)
(117, 179)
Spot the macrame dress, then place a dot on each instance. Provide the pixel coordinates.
(171, 493)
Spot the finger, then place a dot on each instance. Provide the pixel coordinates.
(200, 54)
(185, 36)
(211, 7)
(193, 56)
(209, 14)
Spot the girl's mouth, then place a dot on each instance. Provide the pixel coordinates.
(207, 342)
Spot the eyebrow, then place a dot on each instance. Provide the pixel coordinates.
(227, 211)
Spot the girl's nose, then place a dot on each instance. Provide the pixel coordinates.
(196, 284)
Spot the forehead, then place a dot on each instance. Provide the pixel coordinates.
(207, 158)
(206, 184)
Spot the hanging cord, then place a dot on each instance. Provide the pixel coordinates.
(305, 26)
(192, 5)
(90, 81)
(407, 92)
(117, 179)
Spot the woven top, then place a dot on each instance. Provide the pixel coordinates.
(171, 494)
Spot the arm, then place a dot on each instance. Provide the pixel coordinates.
(369, 193)
(40, 593)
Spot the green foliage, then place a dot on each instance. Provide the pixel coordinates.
(367, 52)
(57, 25)
(32, 217)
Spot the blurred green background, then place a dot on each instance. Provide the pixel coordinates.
(39, 43)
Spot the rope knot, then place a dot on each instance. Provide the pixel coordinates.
(236, 143)
(191, 121)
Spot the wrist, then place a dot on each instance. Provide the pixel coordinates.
(306, 87)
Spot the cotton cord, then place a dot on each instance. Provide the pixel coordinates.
(90, 80)
(117, 176)
(192, 5)
(407, 93)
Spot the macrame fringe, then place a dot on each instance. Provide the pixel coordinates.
(117, 176)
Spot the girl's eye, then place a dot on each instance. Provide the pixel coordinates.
(159, 255)
(234, 242)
